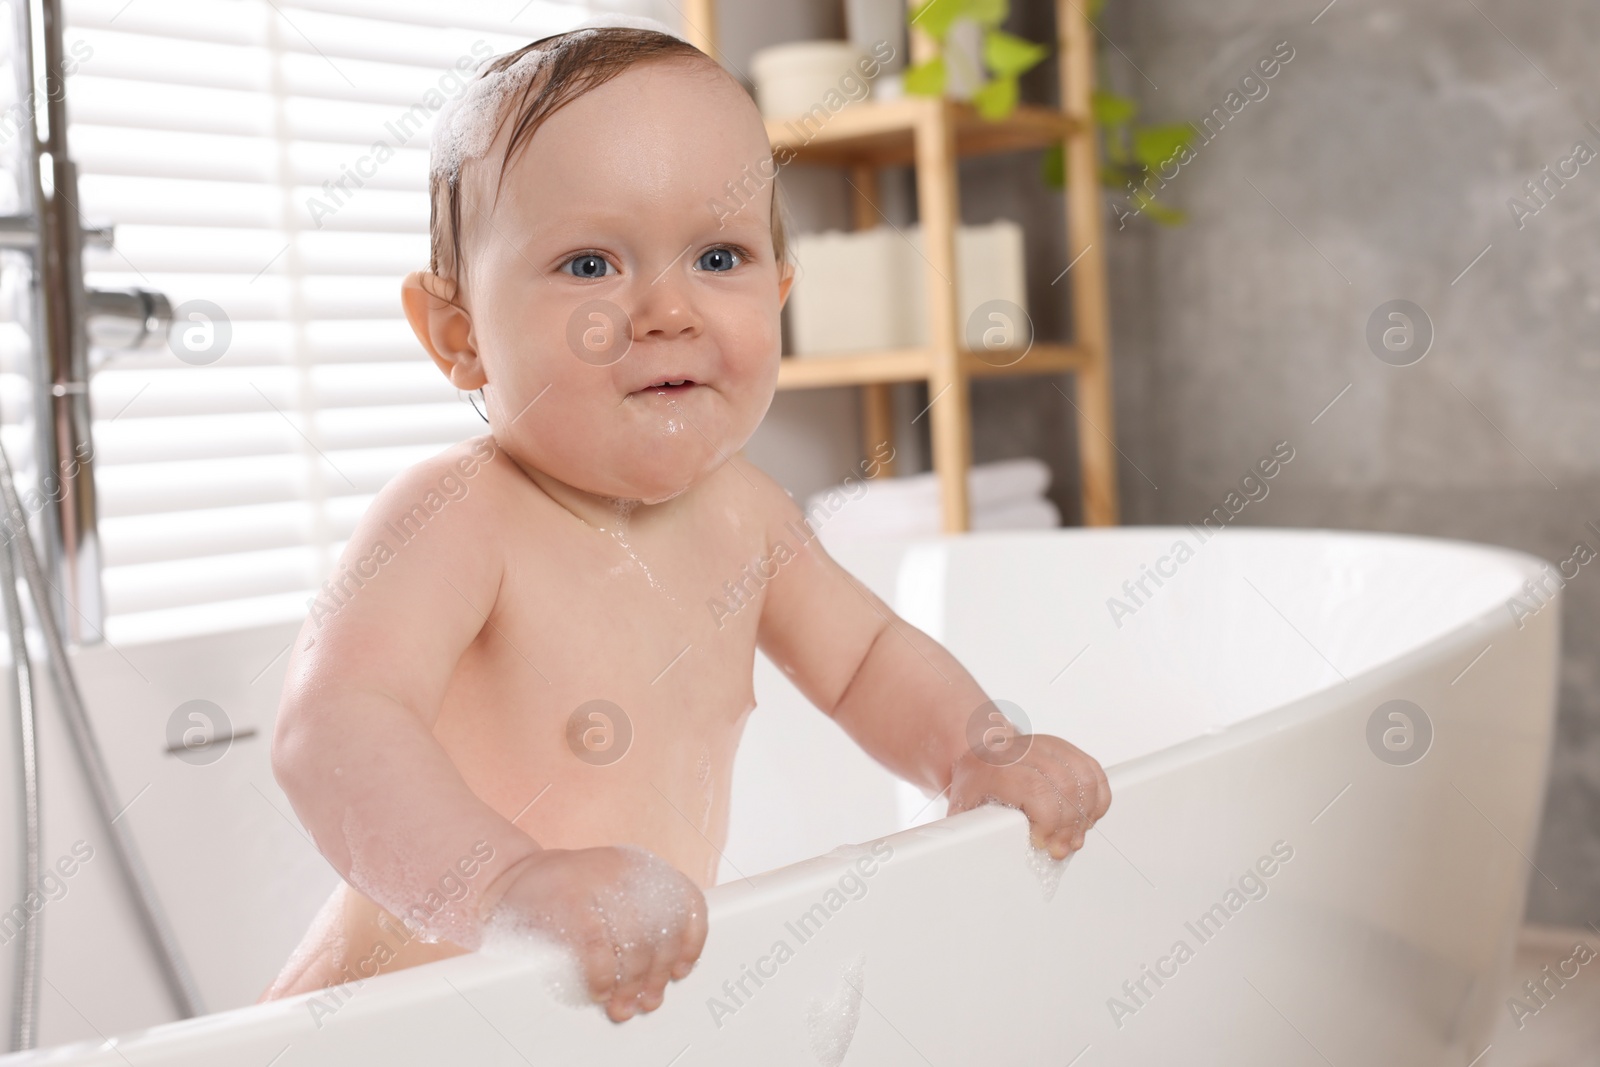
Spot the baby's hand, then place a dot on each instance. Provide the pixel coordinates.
(632, 919)
(1060, 788)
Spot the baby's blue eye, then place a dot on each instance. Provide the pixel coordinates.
(588, 266)
(718, 259)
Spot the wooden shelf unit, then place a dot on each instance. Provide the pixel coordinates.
(915, 364)
(884, 134)
(930, 135)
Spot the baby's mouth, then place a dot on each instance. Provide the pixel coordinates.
(669, 386)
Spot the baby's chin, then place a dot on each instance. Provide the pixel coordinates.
(666, 481)
(653, 467)
(645, 478)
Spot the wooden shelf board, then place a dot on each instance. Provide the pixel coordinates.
(882, 133)
(915, 365)
(1042, 358)
(855, 368)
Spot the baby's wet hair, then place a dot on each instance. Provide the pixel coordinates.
(565, 66)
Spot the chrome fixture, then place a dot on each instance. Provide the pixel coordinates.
(152, 917)
(25, 988)
(67, 319)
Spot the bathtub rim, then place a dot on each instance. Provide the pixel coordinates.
(1431, 652)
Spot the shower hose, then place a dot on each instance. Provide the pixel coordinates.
(152, 919)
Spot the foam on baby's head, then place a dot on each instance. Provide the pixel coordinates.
(467, 124)
(525, 87)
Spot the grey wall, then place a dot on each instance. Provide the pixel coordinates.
(1388, 148)
(1382, 159)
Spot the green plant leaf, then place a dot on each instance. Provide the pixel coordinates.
(1155, 145)
(1130, 151)
(1053, 167)
(988, 13)
(934, 17)
(1167, 216)
(1111, 109)
(1116, 147)
(926, 79)
(1145, 203)
(1009, 55)
(996, 99)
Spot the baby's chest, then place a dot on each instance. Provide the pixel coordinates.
(649, 619)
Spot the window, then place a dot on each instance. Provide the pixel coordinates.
(213, 133)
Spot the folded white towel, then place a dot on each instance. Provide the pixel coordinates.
(988, 485)
(1038, 514)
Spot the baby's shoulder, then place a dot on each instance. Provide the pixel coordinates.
(454, 487)
(755, 494)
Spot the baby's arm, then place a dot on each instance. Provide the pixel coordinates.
(907, 701)
(355, 752)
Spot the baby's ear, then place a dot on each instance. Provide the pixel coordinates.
(785, 282)
(444, 329)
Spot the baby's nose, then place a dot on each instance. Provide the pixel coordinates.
(664, 310)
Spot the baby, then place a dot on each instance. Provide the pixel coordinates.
(517, 716)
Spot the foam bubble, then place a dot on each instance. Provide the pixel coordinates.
(466, 124)
(378, 871)
(831, 1024)
(650, 903)
(1045, 867)
(1048, 869)
(652, 895)
(633, 22)
(506, 934)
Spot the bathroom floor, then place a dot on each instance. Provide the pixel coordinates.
(1566, 1031)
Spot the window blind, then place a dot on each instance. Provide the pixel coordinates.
(215, 134)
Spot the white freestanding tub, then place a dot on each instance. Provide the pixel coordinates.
(1281, 879)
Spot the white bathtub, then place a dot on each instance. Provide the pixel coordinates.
(1231, 707)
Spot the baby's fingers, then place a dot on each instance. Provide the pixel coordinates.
(694, 939)
(1102, 794)
(598, 958)
(635, 962)
(674, 959)
(656, 956)
(1051, 820)
(670, 955)
(695, 932)
(1091, 791)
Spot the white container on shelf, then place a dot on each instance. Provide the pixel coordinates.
(889, 87)
(792, 79)
(864, 290)
(871, 23)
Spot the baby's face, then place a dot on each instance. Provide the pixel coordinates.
(604, 244)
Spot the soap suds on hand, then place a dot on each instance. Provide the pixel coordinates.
(1047, 869)
(648, 904)
(1044, 866)
(562, 976)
